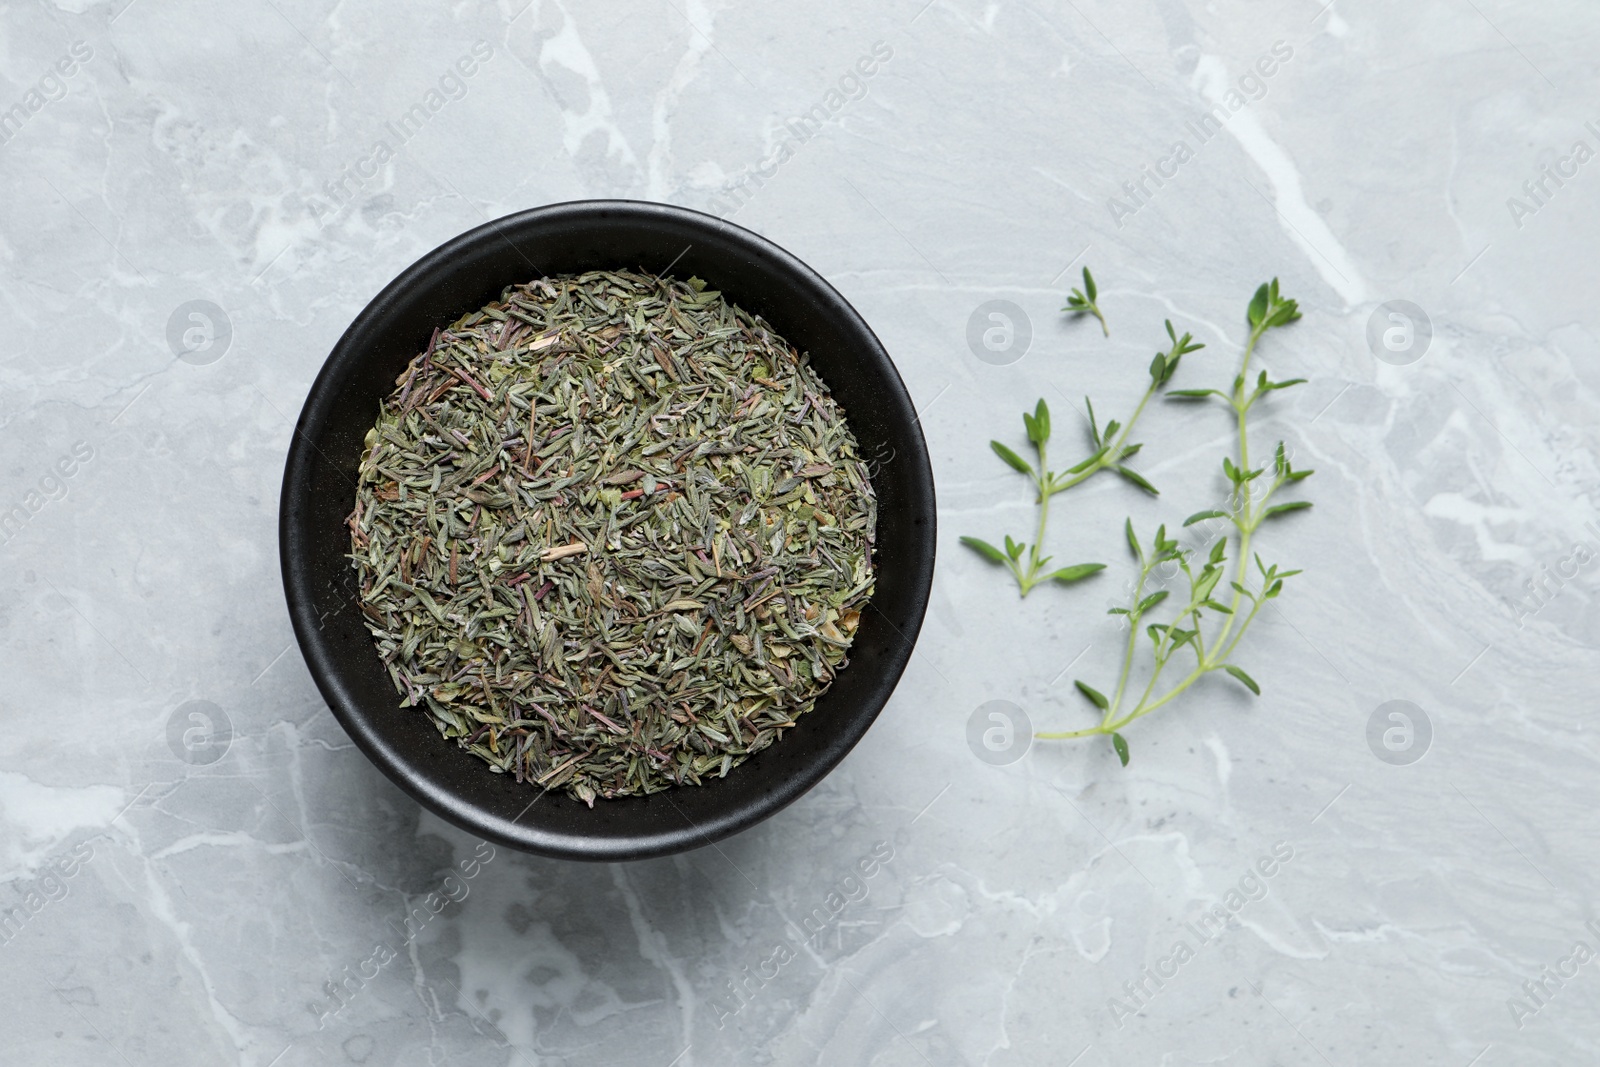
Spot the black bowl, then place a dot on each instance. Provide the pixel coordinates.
(319, 492)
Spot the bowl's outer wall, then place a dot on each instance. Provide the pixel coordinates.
(319, 489)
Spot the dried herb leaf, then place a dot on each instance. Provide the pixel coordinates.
(612, 534)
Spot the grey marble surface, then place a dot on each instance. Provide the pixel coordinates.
(255, 892)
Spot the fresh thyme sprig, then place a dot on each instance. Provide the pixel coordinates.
(1048, 484)
(1110, 446)
(1246, 512)
(1082, 301)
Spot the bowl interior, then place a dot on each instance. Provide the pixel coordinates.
(462, 276)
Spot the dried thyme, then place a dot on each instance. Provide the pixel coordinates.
(612, 533)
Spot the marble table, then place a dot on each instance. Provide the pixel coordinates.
(1388, 857)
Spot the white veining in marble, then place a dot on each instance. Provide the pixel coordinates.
(196, 865)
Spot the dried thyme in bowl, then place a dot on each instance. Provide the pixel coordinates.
(613, 534)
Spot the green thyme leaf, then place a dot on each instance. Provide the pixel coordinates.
(1015, 461)
(985, 549)
(1077, 572)
(1151, 601)
(1137, 479)
(1095, 696)
(1249, 682)
(1258, 307)
(1091, 461)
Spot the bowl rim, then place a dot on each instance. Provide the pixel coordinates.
(295, 525)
